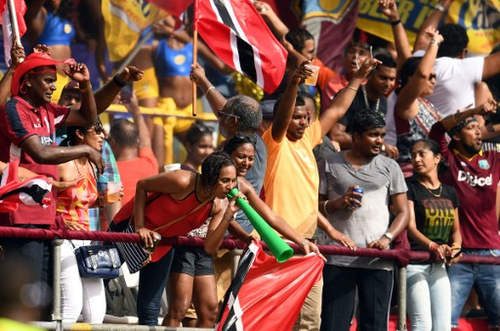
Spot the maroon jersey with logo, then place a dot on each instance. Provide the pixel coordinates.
(18, 121)
(476, 182)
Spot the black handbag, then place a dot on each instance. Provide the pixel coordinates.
(98, 261)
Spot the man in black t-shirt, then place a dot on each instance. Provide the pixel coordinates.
(371, 96)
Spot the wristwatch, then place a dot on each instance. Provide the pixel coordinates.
(388, 235)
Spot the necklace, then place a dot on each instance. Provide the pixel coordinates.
(433, 191)
(367, 104)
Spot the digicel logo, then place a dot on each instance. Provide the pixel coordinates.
(472, 180)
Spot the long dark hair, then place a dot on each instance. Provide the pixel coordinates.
(211, 167)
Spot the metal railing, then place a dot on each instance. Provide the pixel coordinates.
(402, 257)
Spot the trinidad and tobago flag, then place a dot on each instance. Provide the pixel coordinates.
(265, 294)
(30, 192)
(235, 31)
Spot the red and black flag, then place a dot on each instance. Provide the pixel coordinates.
(235, 31)
(265, 294)
(31, 192)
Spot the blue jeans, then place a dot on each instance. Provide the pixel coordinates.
(428, 297)
(152, 280)
(486, 280)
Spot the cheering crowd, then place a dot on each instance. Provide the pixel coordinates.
(399, 149)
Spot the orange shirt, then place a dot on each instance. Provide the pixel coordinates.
(291, 182)
(131, 171)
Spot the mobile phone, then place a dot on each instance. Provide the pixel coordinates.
(371, 52)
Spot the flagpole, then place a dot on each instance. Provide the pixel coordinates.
(195, 56)
(13, 22)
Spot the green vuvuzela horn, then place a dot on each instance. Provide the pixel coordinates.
(277, 246)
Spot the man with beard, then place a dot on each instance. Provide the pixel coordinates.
(474, 171)
(356, 188)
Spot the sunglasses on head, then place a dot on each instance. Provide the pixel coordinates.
(97, 128)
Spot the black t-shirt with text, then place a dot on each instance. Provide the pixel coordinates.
(434, 212)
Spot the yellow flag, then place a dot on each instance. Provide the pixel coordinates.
(124, 20)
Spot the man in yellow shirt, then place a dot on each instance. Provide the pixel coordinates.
(291, 182)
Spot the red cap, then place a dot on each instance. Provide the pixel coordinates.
(32, 61)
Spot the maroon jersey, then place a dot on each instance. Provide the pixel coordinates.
(476, 182)
(18, 121)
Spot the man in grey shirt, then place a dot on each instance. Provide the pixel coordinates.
(364, 216)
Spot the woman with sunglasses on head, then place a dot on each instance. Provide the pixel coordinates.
(79, 295)
(433, 226)
(414, 115)
(192, 277)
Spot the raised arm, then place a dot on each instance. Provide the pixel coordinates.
(132, 106)
(390, 9)
(107, 93)
(215, 98)
(17, 55)
(35, 19)
(87, 114)
(286, 106)
(343, 100)
(432, 21)
(451, 121)
(276, 25)
(406, 106)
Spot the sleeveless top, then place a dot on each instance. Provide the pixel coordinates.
(57, 31)
(162, 209)
(73, 203)
(418, 128)
(171, 62)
